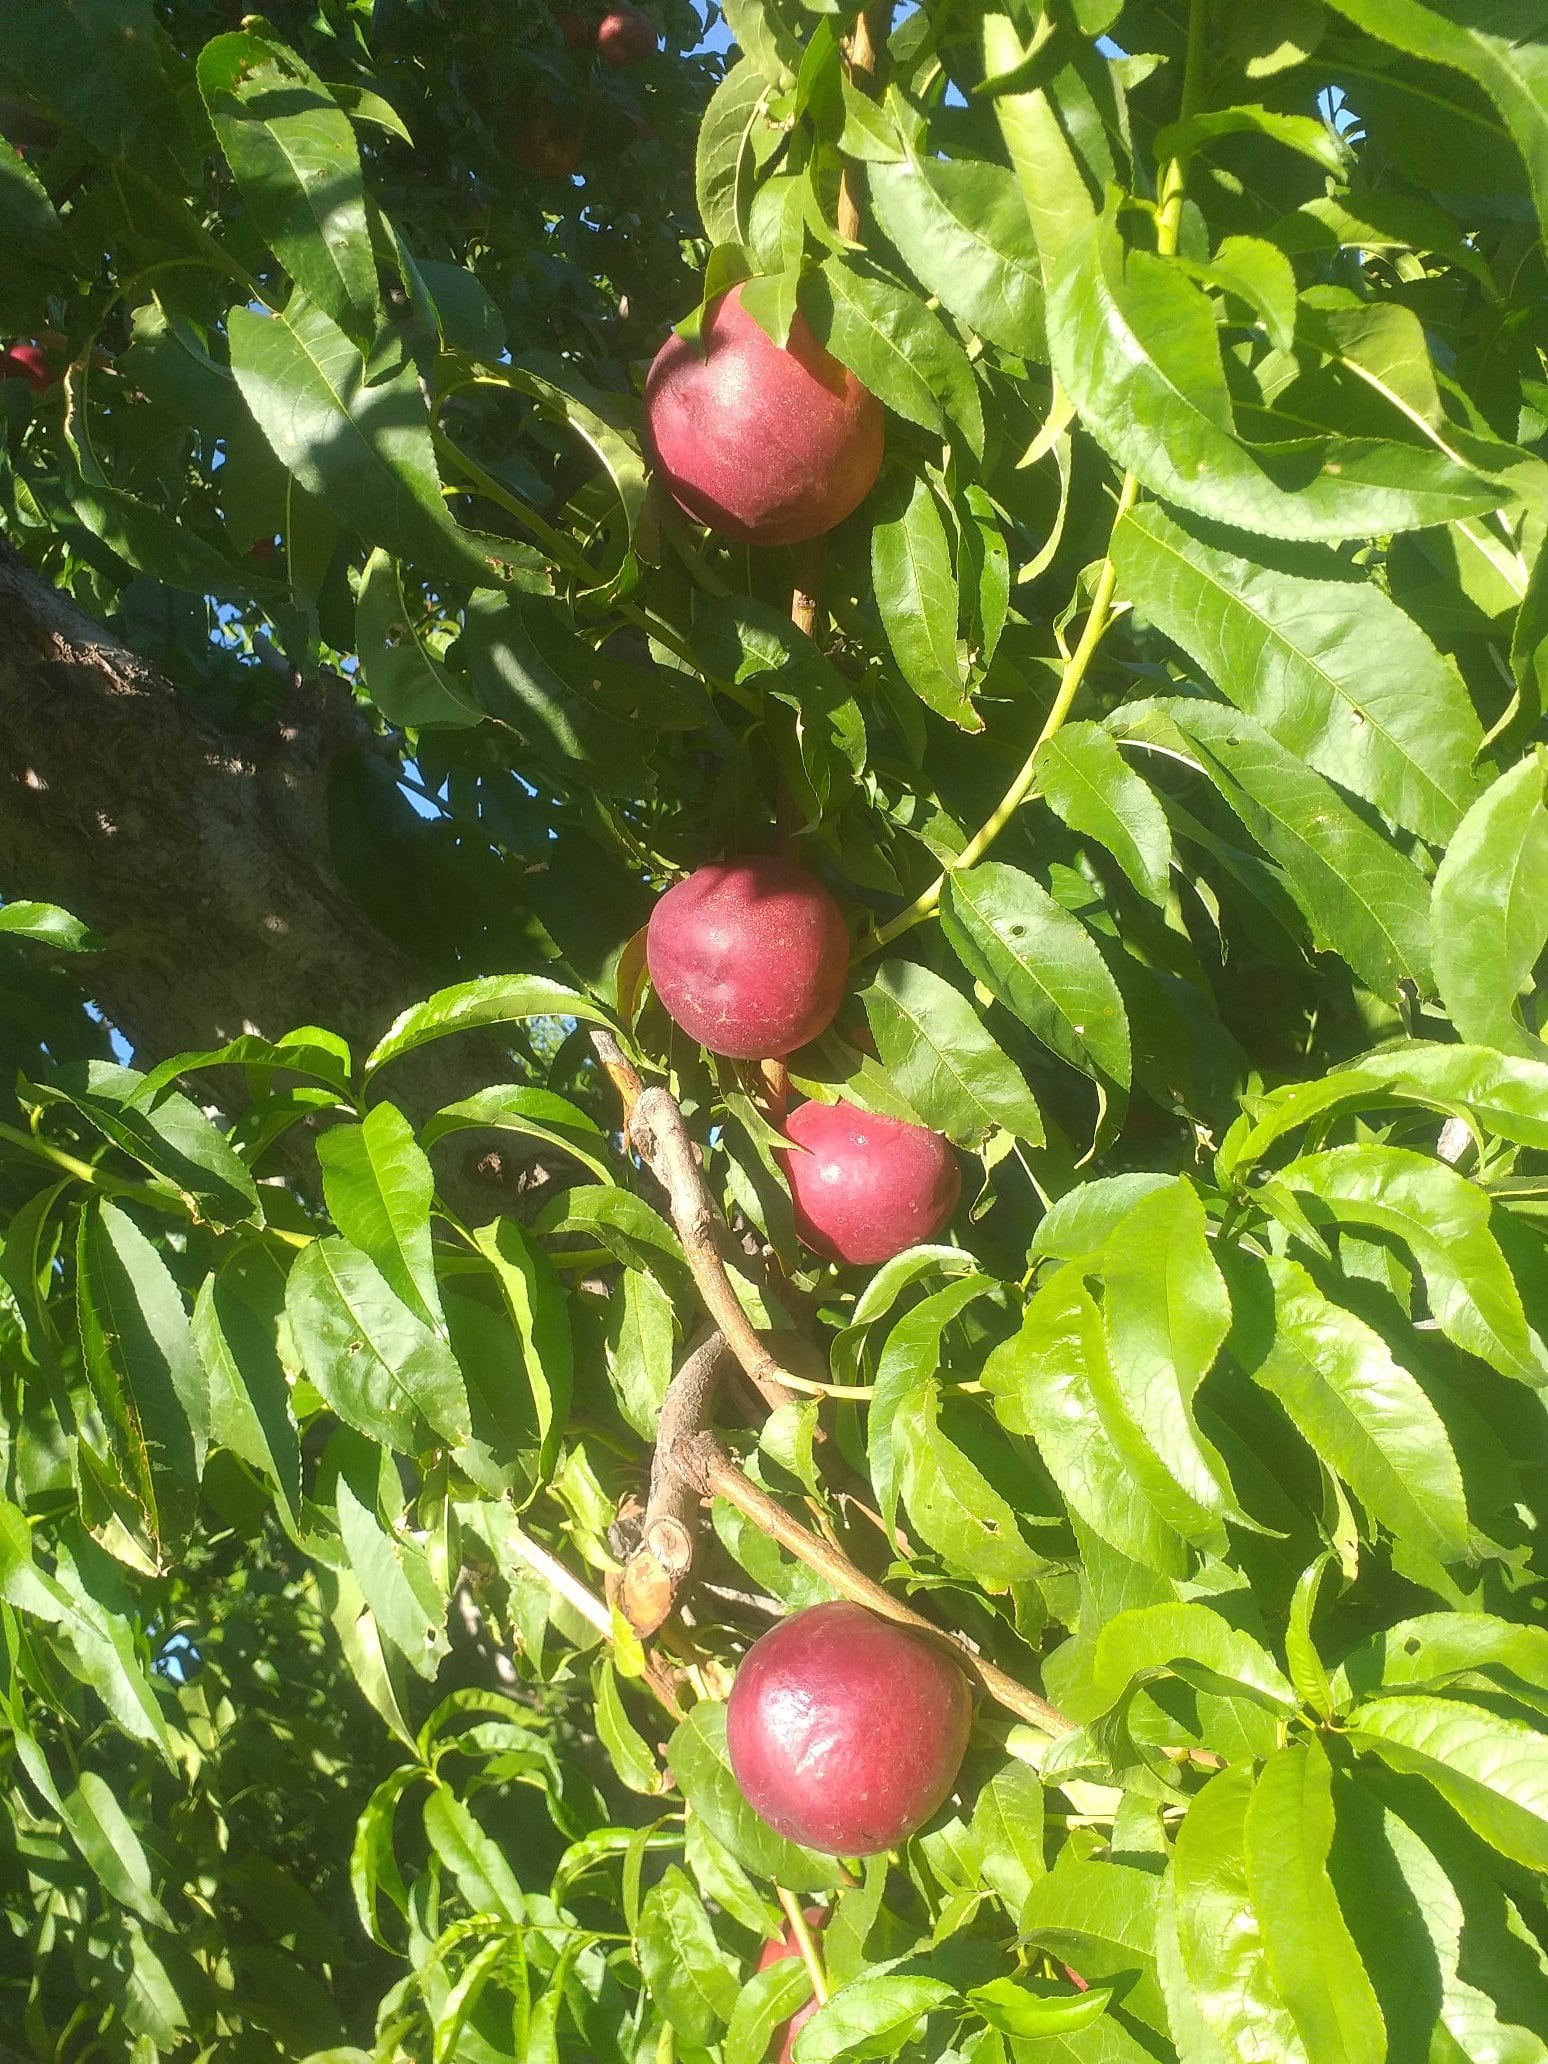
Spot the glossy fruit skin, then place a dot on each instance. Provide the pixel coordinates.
(625, 37)
(846, 1732)
(867, 1186)
(749, 956)
(776, 1953)
(766, 445)
(27, 362)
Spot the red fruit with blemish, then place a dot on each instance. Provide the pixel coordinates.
(749, 956)
(625, 37)
(845, 1731)
(27, 362)
(865, 1187)
(763, 443)
(776, 1953)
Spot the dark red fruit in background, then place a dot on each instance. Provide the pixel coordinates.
(867, 1187)
(749, 956)
(776, 1953)
(549, 142)
(845, 1731)
(767, 445)
(27, 362)
(265, 551)
(626, 37)
(577, 32)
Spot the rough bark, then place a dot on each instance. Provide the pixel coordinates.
(200, 859)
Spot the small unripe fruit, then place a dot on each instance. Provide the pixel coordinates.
(27, 362)
(845, 1731)
(776, 1953)
(867, 1186)
(749, 956)
(625, 37)
(764, 444)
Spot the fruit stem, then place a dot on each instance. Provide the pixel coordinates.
(801, 1936)
(1171, 193)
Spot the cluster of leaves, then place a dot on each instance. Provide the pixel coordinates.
(1216, 402)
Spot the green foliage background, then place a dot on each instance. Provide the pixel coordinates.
(1173, 741)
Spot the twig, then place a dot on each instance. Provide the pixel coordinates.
(715, 1474)
(860, 63)
(659, 1567)
(654, 1125)
(801, 1936)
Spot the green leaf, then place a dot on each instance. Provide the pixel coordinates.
(1507, 57)
(640, 1342)
(146, 1378)
(1087, 782)
(1167, 1314)
(478, 1864)
(533, 1113)
(1101, 1917)
(1008, 1824)
(1438, 1649)
(1493, 1771)
(765, 2003)
(1331, 668)
(1054, 188)
(1041, 963)
(168, 1134)
(736, 110)
(394, 1577)
(377, 1364)
(1018, 2011)
(249, 1397)
(934, 1046)
(30, 230)
(1154, 1640)
(961, 227)
(407, 681)
(105, 1836)
(952, 1503)
(490, 1000)
(1287, 1833)
(907, 1362)
(1258, 273)
(626, 1747)
(1363, 1414)
(50, 925)
(1444, 1221)
(1134, 343)
(765, 38)
(535, 1299)
(1052, 1381)
(895, 347)
(916, 596)
(1076, 1225)
(696, 1755)
(872, 2016)
(362, 449)
(1362, 898)
(1490, 911)
(689, 1974)
(379, 1190)
(1303, 133)
(295, 159)
(1221, 1998)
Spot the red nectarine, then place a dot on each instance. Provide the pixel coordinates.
(550, 142)
(626, 37)
(749, 956)
(865, 1187)
(845, 1731)
(27, 362)
(767, 445)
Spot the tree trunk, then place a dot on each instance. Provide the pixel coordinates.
(201, 859)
